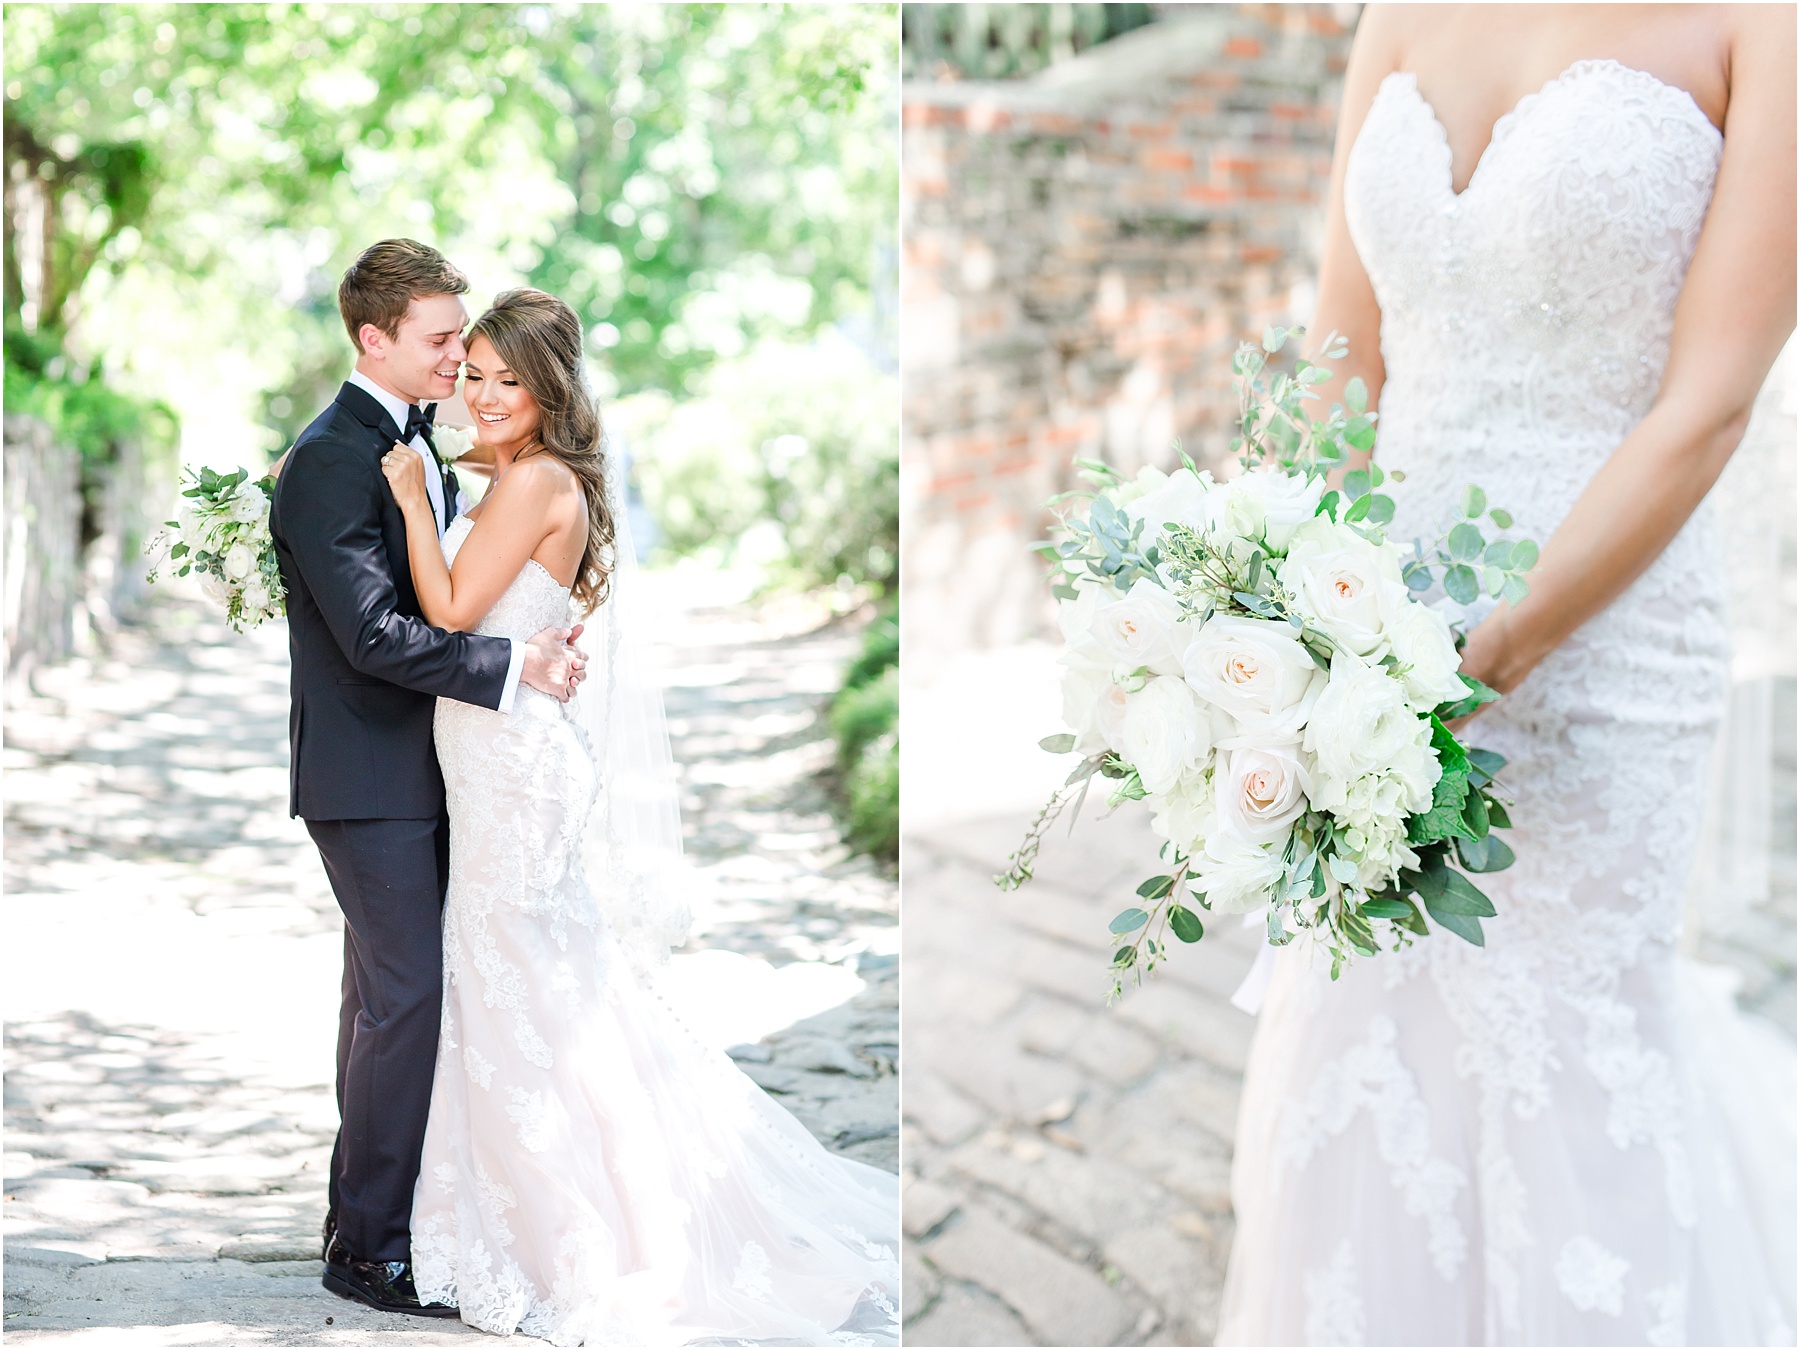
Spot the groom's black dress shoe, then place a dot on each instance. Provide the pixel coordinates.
(387, 1285)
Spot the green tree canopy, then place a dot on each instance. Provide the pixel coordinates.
(691, 177)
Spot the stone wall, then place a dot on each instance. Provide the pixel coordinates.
(1082, 251)
(75, 559)
(43, 545)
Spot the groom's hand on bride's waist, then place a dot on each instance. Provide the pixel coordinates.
(554, 664)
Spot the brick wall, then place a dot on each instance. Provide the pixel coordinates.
(1082, 251)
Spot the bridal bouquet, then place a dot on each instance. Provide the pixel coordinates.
(223, 534)
(1253, 660)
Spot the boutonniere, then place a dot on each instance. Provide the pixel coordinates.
(452, 443)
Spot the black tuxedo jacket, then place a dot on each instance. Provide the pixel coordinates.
(366, 667)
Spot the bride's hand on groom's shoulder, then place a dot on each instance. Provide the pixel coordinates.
(554, 665)
(405, 472)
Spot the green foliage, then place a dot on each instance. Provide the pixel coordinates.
(693, 178)
(865, 718)
(805, 436)
(861, 715)
(997, 41)
(80, 408)
(874, 793)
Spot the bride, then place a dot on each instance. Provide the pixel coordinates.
(1561, 245)
(592, 1173)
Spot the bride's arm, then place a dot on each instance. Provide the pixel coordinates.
(1346, 303)
(1735, 311)
(514, 521)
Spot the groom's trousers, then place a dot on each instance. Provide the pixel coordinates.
(389, 877)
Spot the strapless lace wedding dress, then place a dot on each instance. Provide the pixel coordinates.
(593, 1174)
(1565, 1138)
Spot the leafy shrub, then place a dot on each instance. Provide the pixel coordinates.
(863, 714)
(874, 791)
(865, 721)
(804, 435)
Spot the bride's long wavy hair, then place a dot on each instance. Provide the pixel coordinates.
(538, 338)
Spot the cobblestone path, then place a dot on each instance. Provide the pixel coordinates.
(1066, 1167)
(173, 952)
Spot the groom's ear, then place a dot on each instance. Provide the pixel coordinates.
(372, 340)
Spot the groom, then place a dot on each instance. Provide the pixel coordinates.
(367, 670)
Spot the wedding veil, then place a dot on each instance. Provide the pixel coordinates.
(631, 845)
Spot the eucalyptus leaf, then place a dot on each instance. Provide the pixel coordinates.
(1059, 744)
(1475, 503)
(1356, 395)
(1129, 921)
(1381, 509)
(1156, 888)
(1460, 584)
(1524, 556)
(1466, 543)
(1356, 483)
(1186, 924)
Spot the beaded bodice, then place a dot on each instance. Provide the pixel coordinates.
(1526, 319)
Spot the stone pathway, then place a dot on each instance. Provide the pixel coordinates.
(1066, 1166)
(171, 993)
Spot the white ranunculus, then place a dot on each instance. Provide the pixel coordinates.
(1162, 500)
(1166, 732)
(1142, 629)
(1255, 670)
(1421, 642)
(1345, 585)
(1235, 873)
(239, 562)
(1361, 723)
(249, 505)
(1185, 813)
(1261, 790)
(1271, 504)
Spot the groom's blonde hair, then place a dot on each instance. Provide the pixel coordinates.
(382, 284)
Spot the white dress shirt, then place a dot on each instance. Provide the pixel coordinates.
(397, 408)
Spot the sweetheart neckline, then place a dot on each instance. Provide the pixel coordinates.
(529, 562)
(1504, 124)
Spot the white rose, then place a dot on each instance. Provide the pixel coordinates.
(1178, 498)
(239, 562)
(1184, 814)
(1261, 790)
(1255, 670)
(249, 505)
(1346, 585)
(1143, 629)
(1235, 873)
(1270, 504)
(1075, 617)
(1361, 723)
(453, 442)
(216, 589)
(1165, 733)
(256, 594)
(1093, 706)
(1421, 642)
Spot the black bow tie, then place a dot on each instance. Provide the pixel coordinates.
(419, 422)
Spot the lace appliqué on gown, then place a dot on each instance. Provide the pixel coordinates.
(594, 1174)
(1536, 1103)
